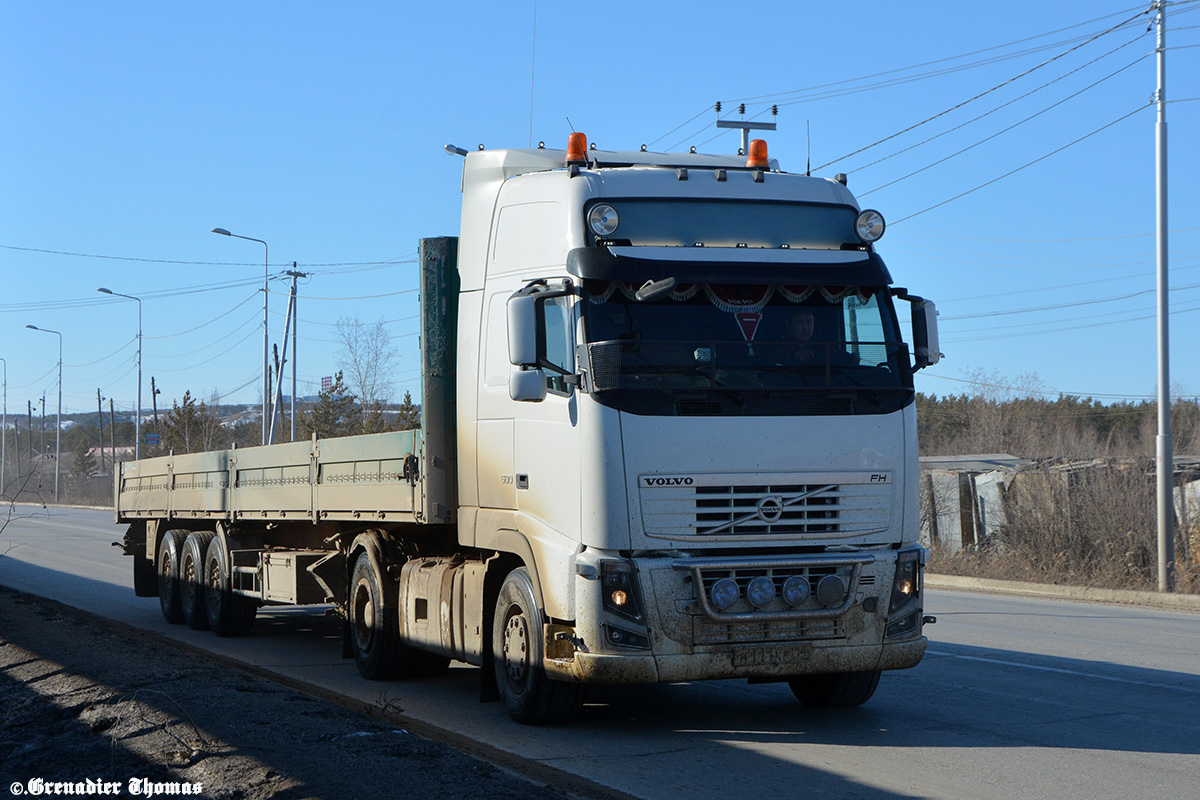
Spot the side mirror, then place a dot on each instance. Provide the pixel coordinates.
(527, 386)
(926, 351)
(522, 331)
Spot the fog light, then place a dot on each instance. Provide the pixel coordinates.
(761, 592)
(796, 591)
(831, 590)
(725, 593)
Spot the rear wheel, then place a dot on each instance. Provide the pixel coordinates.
(170, 548)
(191, 579)
(229, 614)
(835, 689)
(528, 694)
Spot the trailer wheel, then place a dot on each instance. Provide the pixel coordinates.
(374, 628)
(169, 596)
(229, 614)
(835, 689)
(191, 579)
(529, 696)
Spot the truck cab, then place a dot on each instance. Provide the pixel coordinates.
(693, 413)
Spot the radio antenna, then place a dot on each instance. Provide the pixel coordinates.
(808, 135)
(532, 71)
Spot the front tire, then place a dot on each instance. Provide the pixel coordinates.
(374, 627)
(835, 689)
(528, 694)
(191, 579)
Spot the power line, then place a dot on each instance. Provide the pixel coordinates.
(950, 235)
(191, 263)
(1025, 166)
(984, 93)
(1011, 102)
(780, 96)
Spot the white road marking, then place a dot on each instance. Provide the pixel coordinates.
(1061, 671)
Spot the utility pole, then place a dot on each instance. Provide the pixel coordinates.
(154, 392)
(4, 434)
(112, 430)
(17, 450)
(29, 403)
(288, 327)
(100, 427)
(293, 310)
(1165, 455)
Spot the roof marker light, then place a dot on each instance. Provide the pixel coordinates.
(576, 149)
(758, 155)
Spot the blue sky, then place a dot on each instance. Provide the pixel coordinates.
(131, 129)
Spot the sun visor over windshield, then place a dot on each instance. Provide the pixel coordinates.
(713, 265)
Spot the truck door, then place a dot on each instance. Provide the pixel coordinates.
(546, 435)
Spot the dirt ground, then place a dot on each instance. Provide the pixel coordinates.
(85, 700)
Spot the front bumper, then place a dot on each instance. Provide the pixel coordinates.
(776, 660)
(682, 637)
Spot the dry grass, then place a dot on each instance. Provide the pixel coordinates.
(1092, 526)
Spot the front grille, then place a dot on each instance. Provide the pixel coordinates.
(790, 508)
(839, 504)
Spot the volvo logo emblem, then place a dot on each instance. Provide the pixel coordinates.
(770, 509)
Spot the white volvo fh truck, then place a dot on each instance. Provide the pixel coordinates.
(668, 434)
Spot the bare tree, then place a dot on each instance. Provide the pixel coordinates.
(368, 358)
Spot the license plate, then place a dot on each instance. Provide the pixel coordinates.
(770, 655)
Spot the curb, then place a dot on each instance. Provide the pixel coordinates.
(1166, 602)
(48, 506)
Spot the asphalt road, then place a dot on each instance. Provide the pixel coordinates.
(1017, 697)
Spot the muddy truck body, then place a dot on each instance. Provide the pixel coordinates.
(667, 434)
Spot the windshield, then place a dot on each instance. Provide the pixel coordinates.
(747, 350)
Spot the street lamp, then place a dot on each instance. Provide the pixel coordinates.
(58, 425)
(266, 322)
(137, 419)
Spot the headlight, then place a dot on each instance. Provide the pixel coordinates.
(906, 585)
(603, 220)
(796, 591)
(619, 589)
(869, 226)
(761, 592)
(725, 593)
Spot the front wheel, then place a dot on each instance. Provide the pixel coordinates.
(374, 627)
(835, 689)
(528, 694)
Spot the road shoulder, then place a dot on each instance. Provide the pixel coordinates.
(1166, 602)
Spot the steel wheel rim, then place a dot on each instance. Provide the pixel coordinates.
(516, 648)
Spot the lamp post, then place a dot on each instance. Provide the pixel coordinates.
(266, 323)
(137, 418)
(58, 422)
